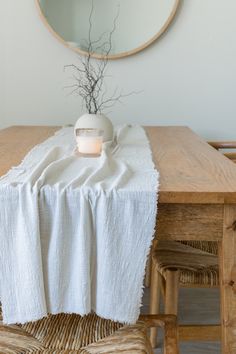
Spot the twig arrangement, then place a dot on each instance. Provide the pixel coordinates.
(89, 74)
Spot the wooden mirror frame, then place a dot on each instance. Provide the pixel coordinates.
(111, 56)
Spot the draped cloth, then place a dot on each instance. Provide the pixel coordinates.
(75, 232)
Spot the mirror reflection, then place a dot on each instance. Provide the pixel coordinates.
(112, 26)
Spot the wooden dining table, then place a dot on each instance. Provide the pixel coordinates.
(197, 198)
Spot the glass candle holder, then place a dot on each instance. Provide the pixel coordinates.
(89, 142)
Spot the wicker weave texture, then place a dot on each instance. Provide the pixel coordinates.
(68, 334)
(66, 331)
(206, 246)
(197, 267)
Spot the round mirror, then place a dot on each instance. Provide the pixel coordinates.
(112, 28)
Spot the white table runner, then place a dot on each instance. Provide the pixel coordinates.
(76, 232)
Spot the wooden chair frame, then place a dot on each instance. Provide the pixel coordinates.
(169, 324)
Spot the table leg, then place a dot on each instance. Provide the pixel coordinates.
(227, 261)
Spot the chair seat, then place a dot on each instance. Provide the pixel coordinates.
(196, 266)
(206, 246)
(64, 333)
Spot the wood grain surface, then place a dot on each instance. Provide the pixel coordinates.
(191, 171)
(190, 222)
(227, 253)
(17, 141)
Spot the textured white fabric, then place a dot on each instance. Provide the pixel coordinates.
(76, 232)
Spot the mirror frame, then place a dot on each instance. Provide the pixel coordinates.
(111, 56)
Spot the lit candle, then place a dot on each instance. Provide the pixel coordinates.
(89, 141)
(89, 145)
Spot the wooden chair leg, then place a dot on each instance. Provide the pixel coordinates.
(148, 272)
(169, 324)
(171, 345)
(163, 287)
(172, 291)
(155, 291)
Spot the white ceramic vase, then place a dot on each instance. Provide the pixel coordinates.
(96, 121)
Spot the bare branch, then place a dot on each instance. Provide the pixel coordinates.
(89, 75)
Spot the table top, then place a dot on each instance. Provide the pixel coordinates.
(191, 171)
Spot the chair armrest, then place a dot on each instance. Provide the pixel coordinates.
(159, 320)
(169, 324)
(223, 144)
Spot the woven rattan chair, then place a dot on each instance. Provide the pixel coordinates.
(189, 263)
(73, 334)
(176, 264)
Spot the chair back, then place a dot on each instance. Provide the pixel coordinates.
(223, 146)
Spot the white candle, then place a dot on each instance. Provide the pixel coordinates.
(89, 144)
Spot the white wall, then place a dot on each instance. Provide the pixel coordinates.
(2, 71)
(188, 77)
